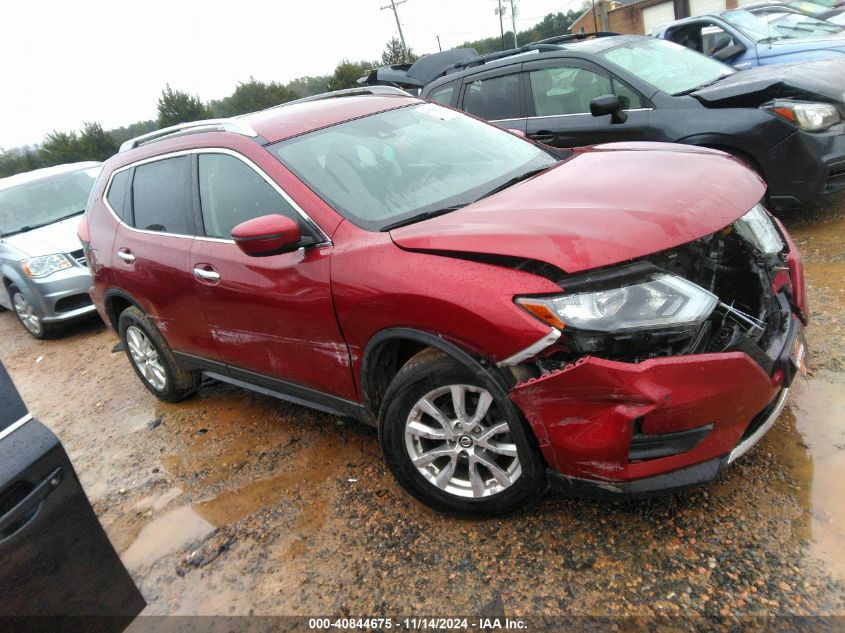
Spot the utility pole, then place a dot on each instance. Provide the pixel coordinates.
(595, 19)
(500, 11)
(440, 48)
(393, 5)
(513, 22)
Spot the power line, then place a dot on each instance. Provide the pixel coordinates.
(393, 5)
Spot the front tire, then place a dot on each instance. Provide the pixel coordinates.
(29, 317)
(153, 361)
(454, 445)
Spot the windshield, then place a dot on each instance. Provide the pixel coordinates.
(381, 169)
(45, 201)
(667, 66)
(791, 25)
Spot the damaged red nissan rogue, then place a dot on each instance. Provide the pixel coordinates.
(615, 320)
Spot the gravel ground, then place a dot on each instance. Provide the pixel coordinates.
(235, 503)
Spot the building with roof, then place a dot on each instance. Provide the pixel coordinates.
(642, 17)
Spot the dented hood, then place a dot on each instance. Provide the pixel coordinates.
(824, 79)
(602, 206)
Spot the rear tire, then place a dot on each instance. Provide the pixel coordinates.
(29, 317)
(152, 359)
(486, 466)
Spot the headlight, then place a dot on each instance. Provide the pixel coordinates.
(813, 117)
(657, 301)
(757, 228)
(44, 265)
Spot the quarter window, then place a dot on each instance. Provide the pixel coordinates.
(443, 94)
(160, 196)
(493, 99)
(569, 90)
(117, 193)
(232, 192)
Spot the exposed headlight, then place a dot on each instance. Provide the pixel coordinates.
(757, 228)
(44, 265)
(657, 301)
(813, 117)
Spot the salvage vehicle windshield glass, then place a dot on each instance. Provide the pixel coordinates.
(394, 167)
(779, 25)
(42, 202)
(667, 66)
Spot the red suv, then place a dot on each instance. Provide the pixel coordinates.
(615, 320)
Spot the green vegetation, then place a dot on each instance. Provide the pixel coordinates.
(174, 106)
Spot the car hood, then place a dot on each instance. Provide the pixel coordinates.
(59, 237)
(822, 79)
(604, 205)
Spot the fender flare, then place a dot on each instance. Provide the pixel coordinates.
(110, 294)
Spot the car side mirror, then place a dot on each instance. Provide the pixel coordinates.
(267, 235)
(608, 104)
(728, 52)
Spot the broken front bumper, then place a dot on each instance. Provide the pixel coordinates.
(593, 418)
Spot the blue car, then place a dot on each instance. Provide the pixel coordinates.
(745, 40)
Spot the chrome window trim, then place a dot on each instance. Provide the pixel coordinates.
(15, 426)
(558, 116)
(325, 240)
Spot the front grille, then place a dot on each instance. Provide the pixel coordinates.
(73, 302)
(79, 257)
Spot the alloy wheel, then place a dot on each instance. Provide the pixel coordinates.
(457, 439)
(26, 313)
(146, 358)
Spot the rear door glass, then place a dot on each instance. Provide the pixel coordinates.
(494, 99)
(160, 196)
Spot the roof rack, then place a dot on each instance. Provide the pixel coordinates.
(193, 127)
(548, 44)
(349, 92)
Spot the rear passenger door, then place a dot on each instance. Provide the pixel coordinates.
(271, 317)
(496, 96)
(559, 92)
(152, 251)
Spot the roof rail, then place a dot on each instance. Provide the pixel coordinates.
(547, 44)
(207, 125)
(349, 92)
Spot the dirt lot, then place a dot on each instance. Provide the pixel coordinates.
(235, 503)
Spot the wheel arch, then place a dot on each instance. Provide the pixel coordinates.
(388, 350)
(116, 301)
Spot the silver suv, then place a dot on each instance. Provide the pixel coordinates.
(43, 270)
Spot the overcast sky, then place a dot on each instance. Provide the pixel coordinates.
(69, 61)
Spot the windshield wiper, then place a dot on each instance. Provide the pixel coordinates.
(512, 182)
(425, 215)
(700, 86)
(31, 227)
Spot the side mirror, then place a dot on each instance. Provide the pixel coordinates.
(608, 104)
(267, 235)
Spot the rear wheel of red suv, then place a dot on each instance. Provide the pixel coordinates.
(152, 359)
(453, 445)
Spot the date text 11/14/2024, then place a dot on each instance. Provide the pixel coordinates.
(416, 624)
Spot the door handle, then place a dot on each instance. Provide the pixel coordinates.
(25, 510)
(125, 255)
(204, 274)
(542, 137)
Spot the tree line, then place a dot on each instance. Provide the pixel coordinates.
(175, 106)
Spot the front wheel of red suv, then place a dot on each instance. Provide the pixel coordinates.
(455, 447)
(152, 359)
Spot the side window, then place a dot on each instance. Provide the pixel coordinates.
(569, 90)
(231, 192)
(444, 94)
(493, 99)
(116, 195)
(566, 90)
(160, 196)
